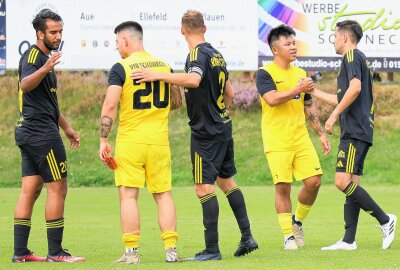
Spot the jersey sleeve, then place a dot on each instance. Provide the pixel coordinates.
(353, 62)
(264, 82)
(197, 62)
(29, 65)
(117, 75)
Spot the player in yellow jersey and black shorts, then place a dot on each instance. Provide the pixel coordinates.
(287, 145)
(142, 150)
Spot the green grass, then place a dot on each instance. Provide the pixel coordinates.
(93, 230)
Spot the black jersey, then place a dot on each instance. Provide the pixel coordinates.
(357, 121)
(208, 116)
(38, 108)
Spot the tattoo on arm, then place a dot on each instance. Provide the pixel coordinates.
(313, 119)
(176, 97)
(106, 125)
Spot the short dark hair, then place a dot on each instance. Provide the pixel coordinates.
(39, 22)
(280, 31)
(353, 27)
(127, 25)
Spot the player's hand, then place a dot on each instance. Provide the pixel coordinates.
(104, 151)
(73, 137)
(143, 75)
(306, 84)
(53, 60)
(330, 122)
(326, 145)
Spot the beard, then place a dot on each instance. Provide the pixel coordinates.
(50, 46)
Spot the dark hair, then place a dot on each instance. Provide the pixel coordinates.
(127, 25)
(193, 20)
(39, 22)
(280, 31)
(352, 27)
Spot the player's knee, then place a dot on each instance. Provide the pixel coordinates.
(315, 184)
(340, 184)
(226, 184)
(283, 189)
(204, 189)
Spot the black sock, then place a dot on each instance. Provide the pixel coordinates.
(351, 214)
(210, 207)
(361, 196)
(238, 205)
(55, 229)
(22, 228)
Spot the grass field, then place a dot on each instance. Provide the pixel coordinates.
(93, 231)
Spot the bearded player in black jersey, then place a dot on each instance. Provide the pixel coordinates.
(355, 112)
(208, 95)
(37, 135)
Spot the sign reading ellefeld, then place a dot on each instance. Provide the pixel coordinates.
(89, 40)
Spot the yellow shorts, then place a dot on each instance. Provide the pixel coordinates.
(143, 163)
(301, 164)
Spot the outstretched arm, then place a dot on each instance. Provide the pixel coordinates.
(189, 80)
(351, 94)
(330, 99)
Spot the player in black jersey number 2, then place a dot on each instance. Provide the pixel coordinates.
(208, 95)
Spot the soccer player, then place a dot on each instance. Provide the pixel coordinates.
(38, 137)
(287, 145)
(355, 110)
(208, 95)
(142, 150)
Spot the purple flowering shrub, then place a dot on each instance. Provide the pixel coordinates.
(246, 95)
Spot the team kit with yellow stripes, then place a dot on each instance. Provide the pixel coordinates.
(37, 133)
(211, 146)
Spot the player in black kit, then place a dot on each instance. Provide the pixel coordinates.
(37, 135)
(355, 110)
(208, 95)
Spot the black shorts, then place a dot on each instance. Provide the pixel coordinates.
(211, 159)
(47, 159)
(351, 156)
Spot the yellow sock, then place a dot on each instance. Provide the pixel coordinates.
(131, 240)
(285, 221)
(302, 211)
(169, 238)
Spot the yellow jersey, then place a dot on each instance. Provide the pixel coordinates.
(283, 126)
(144, 107)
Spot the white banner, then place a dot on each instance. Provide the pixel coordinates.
(89, 39)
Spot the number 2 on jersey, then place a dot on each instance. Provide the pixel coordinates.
(221, 80)
(154, 88)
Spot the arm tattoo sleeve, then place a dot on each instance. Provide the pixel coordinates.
(106, 125)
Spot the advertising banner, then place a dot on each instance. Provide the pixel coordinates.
(3, 35)
(314, 22)
(89, 39)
